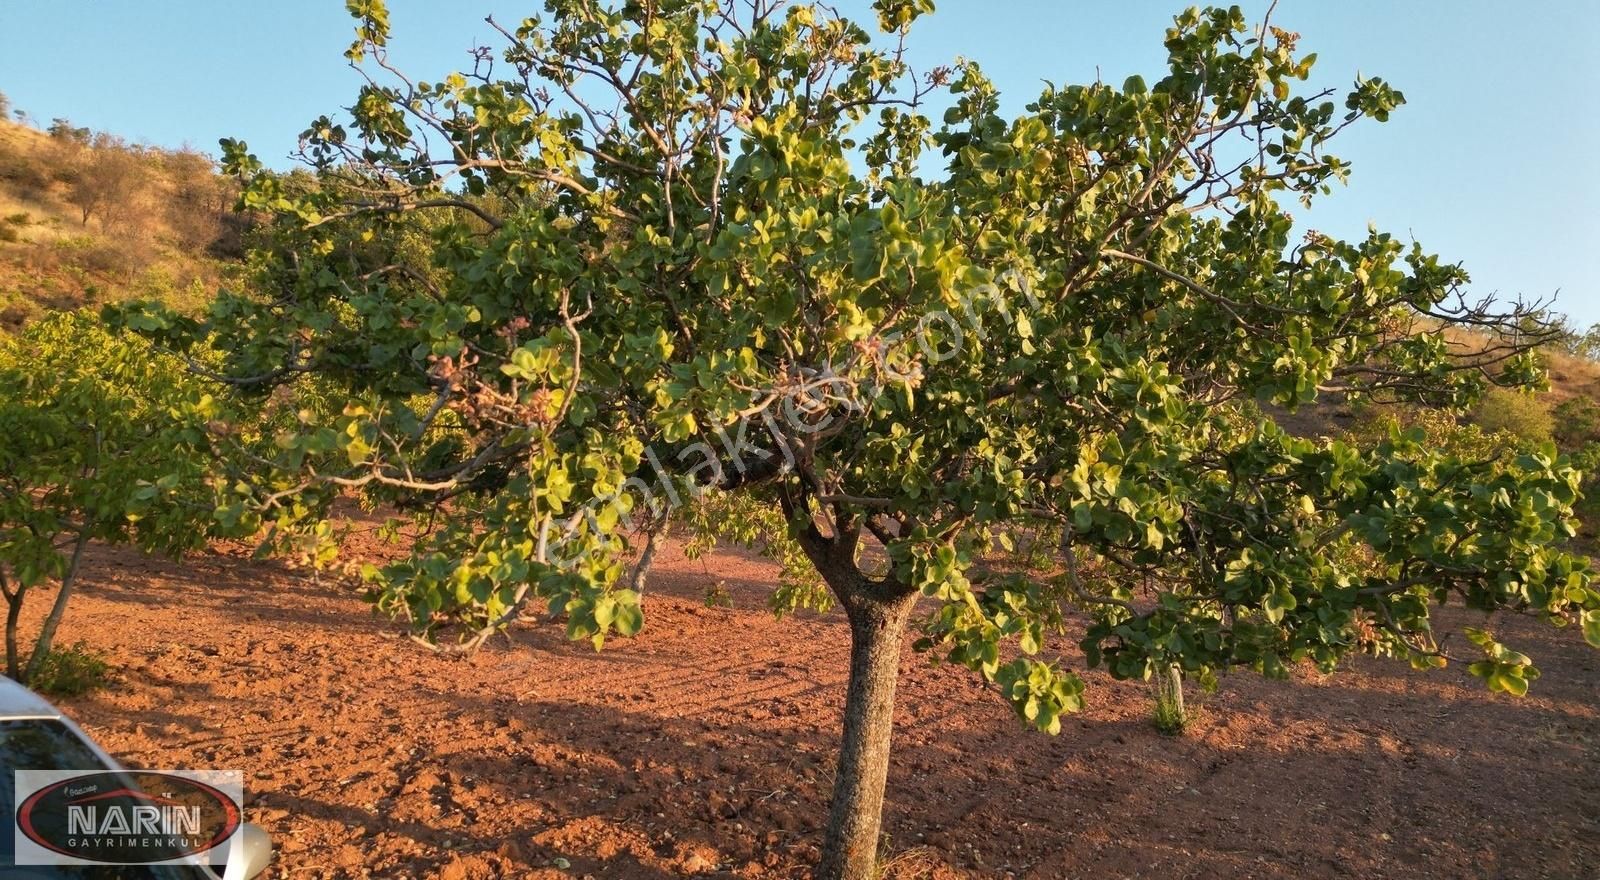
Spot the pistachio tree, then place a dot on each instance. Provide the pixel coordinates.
(101, 441)
(691, 250)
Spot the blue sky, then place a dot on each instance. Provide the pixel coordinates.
(1489, 163)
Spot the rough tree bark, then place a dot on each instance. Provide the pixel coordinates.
(878, 611)
(877, 624)
(1168, 686)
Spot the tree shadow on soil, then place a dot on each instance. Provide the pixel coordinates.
(1112, 797)
(688, 747)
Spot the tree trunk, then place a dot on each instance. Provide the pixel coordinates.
(13, 611)
(1170, 714)
(850, 847)
(47, 632)
(641, 569)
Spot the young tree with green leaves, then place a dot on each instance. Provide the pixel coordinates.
(100, 442)
(679, 247)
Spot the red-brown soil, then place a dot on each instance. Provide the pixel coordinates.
(703, 747)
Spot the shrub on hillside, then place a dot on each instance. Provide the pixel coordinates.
(1441, 429)
(159, 284)
(232, 233)
(1587, 459)
(23, 173)
(13, 316)
(199, 199)
(63, 130)
(1521, 415)
(41, 256)
(1577, 423)
(119, 257)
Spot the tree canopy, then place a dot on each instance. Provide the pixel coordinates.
(102, 442)
(656, 251)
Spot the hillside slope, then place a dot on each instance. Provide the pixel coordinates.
(88, 218)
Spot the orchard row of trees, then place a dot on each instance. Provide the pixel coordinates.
(527, 296)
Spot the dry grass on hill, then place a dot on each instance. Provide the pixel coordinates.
(1570, 376)
(87, 219)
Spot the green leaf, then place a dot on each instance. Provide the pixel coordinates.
(1591, 627)
(605, 611)
(629, 619)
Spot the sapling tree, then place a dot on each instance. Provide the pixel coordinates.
(101, 441)
(691, 249)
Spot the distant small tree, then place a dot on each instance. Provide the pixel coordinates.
(199, 201)
(63, 130)
(1573, 339)
(696, 248)
(108, 183)
(1587, 343)
(101, 441)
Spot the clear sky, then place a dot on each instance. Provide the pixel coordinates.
(1489, 163)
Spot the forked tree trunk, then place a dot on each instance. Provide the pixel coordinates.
(850, 846)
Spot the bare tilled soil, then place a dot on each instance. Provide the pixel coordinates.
(704, 747)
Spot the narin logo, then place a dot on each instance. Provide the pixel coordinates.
(130, 817)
